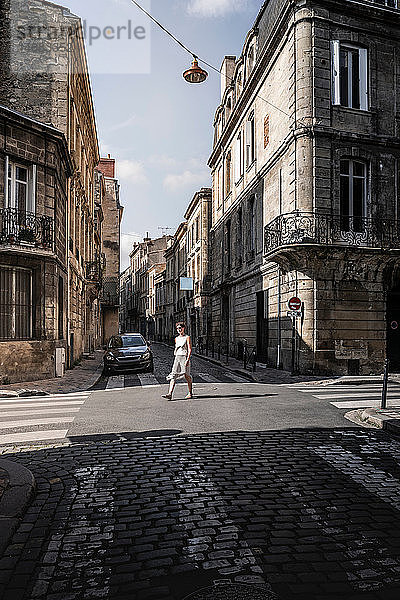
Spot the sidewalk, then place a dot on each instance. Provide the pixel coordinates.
(17, 483)
(79, 379)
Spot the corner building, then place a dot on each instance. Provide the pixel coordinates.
(306, 187)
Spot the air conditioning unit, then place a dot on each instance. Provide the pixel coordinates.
(60, 362)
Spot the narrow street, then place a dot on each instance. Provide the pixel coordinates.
(261, 485)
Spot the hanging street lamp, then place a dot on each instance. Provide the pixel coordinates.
(195, 74)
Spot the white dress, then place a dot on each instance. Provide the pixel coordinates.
(180, 368)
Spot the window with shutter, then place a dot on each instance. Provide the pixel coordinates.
(349, 75)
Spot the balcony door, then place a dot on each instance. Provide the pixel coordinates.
(20, 186)
(353, 195)
(393, 329)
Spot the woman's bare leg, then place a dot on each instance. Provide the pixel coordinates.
(171, 387)
(190, 384)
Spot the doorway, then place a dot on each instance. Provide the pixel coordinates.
(262, 326)
(393, 329)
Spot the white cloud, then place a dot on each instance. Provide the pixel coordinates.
(131, 171)
(124, 124)
(215, 8)
(175, 182)
(162, 161)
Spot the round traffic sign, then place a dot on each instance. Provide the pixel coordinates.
(294, 303)
(394, 324)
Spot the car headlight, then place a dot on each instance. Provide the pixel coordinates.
(146, 355)
(109, 357)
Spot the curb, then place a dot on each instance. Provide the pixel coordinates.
(15, 499)
(96, 376)
(383, 421)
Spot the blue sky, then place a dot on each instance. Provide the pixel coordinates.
(158, 127)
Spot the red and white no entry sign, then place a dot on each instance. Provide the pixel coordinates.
(294, 303)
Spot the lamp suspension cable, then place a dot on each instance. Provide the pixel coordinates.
(196, 56)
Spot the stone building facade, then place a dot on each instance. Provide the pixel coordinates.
(34, 170)
(112, 212)
(198, 219)
(307, 146)
(147, 260)
(46, 77)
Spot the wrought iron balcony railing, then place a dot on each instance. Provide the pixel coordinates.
(23, 228)
(95, 269)
(300, 228)
(388, 3)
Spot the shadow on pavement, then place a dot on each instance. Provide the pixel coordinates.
(312, 513)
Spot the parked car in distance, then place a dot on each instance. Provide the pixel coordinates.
(128, 351)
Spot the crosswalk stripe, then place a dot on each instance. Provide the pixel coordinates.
(33, 404)
(42, 411)
(359, 404)
(338, 390)
(207, 378)
(115, 382)
(33, 436)
(34, 422)
(236, 377)
(148, 379)
(393, 395)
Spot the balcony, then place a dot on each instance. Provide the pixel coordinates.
(299, 229)
(95, 268)
(387, 3)
(21, 228)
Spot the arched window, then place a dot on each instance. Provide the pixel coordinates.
(228, 107)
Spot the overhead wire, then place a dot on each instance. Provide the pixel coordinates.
(196, 56)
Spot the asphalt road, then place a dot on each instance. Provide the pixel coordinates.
(223, 401)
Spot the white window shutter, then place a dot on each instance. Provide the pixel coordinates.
(237, 160)
(32, 192)
(335, 54)
(363, 53)
(248, 143)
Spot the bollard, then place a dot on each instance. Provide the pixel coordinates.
(219, 351)
(227, 354)
(212, 349)
(207, 347)
(385, 384)
(254, 361)
(245, 355)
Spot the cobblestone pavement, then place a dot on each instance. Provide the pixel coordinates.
(4, 479)
(312, 513)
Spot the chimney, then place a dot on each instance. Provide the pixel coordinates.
(227, 72)
(107, 167)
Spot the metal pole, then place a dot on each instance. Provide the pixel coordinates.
(212, 349)
(227, 353)
(385, 384)
(254, 361)
(245, 355)
(293, 344)
(219, 351)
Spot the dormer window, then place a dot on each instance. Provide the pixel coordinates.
(228, 107)
(239, 86)
(250, 60)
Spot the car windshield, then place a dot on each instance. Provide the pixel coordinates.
(127, 341)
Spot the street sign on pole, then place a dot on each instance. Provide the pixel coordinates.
(294, 303)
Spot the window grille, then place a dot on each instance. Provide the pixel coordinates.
(16, 304)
